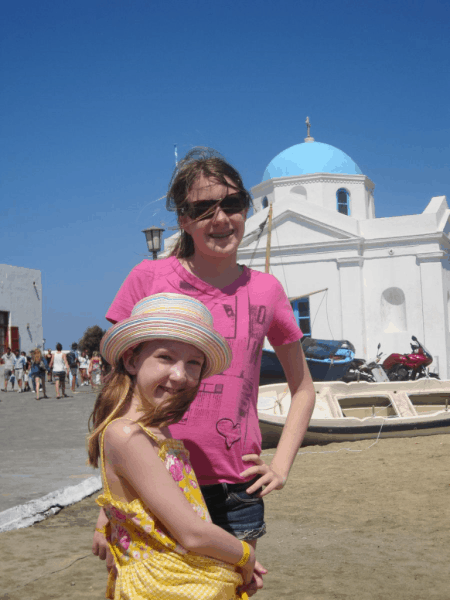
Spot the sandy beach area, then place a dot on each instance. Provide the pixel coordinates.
(355, 521)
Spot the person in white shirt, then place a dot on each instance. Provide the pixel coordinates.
(19, 365)
(60, 367)
(84, 364)
(8, 359)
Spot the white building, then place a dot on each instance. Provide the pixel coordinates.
(384, 279)
(20, 308)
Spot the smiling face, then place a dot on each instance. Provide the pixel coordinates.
(220, 235)
(164, 368)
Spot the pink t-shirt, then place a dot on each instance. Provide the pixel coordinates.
(221, 424)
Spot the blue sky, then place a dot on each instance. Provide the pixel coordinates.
(96, 93)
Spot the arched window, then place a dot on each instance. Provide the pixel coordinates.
(302, 314)
(343, 201)
(393, 310)
(265, 202)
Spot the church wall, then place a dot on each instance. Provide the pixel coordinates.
(300, 278)
(434, 301)
(393, 303)
(446, 311)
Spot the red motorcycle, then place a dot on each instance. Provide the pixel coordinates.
(407, 367)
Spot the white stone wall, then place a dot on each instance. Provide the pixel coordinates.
(21, 296)
(386, 279)
(320, 189)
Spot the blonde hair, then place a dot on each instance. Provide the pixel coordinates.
(115, 398)
(37, 352)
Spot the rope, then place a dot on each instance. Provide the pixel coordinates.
(51, 572)
(340, 449)
(262, 226)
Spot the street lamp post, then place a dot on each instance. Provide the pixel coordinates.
(153, 237)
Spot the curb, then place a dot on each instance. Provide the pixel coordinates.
(37, 510)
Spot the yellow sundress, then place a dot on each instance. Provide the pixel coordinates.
(150, 563)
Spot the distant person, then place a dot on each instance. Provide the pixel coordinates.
(38, 368)
(72, 359)
(8, 359)
(26, 372)
(48, 358)
(60, 367)
(19, 368)
(84, 365)
(95, 370)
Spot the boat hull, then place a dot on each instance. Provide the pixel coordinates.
(408, 409)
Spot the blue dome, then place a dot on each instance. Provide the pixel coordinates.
(310, 157)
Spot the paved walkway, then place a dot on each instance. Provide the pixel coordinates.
(42, 450)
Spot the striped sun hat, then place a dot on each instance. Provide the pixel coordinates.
(170, 317)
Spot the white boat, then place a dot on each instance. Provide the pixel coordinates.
(357, 411)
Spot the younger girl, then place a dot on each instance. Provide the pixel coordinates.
(159, 530)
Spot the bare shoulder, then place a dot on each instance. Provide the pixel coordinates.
(121, 433)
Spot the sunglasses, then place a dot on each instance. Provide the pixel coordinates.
(206, 209)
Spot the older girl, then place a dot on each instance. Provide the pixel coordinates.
(221, 427)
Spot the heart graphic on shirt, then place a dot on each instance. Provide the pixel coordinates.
(230, 431)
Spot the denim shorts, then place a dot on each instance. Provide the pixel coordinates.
(234, 510)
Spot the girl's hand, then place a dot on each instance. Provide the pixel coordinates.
(100, 547)
(270, 478)
(256, 582)
(247, 570)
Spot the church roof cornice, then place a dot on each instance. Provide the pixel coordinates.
(279, 218)
(267, 186)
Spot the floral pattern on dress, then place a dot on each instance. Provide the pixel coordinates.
(123, 537)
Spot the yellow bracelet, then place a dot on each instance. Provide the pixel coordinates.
(102, 530)
(245, 555)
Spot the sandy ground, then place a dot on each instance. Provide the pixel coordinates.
(355, 521)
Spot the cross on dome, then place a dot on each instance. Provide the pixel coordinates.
(308, 126)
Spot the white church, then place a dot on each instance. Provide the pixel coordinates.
(348, 274)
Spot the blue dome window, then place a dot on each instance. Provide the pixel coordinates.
(308, 158)
(265, 202)
(343, 201)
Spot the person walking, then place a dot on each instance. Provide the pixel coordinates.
(84, 365)
(38, 368)
(60, 367)
(8, 360)
(26, 372)
(19, 366)
(73, 361)
(48, 358)
(95, 370)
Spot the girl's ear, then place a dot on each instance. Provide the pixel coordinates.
(184, 223)
(129, 361)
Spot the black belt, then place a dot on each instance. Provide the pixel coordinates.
(232, 487)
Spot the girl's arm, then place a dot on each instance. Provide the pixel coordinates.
(300, 383)
(134, 458)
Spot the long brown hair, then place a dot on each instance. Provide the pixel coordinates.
(115, 398)
(198, 161)
(37, 353)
